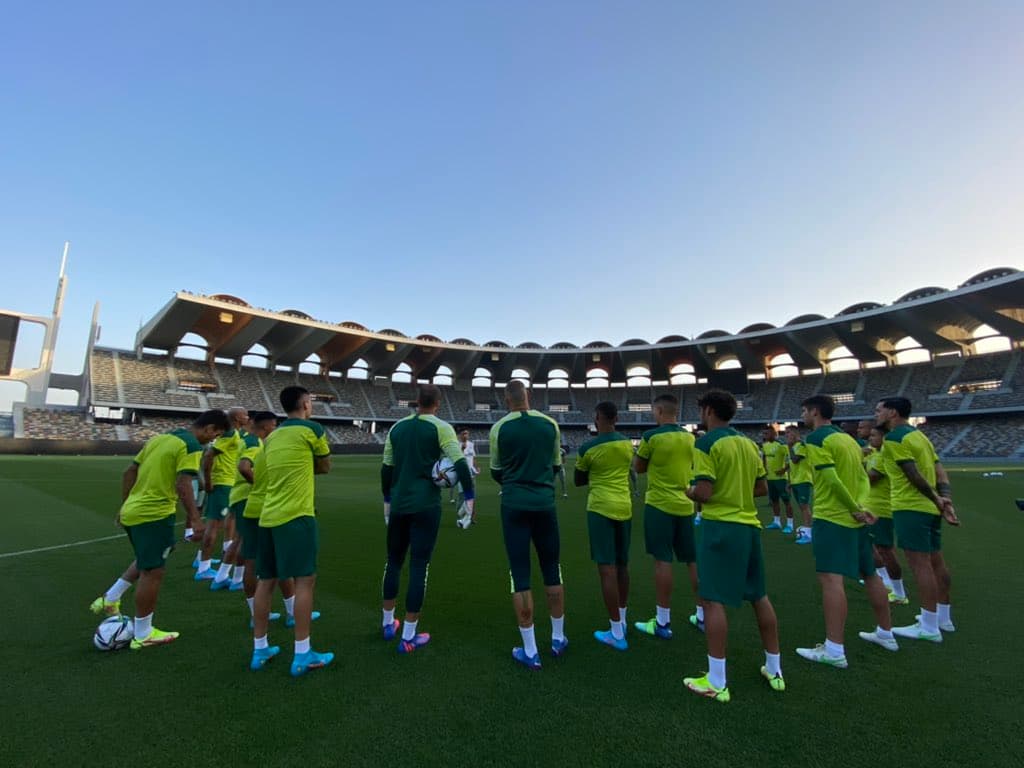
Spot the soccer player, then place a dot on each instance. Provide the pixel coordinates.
(159, 476)
(603, 464)
(220, 465)
(564, 449)
(880, 504)
(288, 536)
(801, 481)
(468, 449)
(412, 507)
(864, 427)
(921, 499)
(525, 458)
(841, 543)
(728, 474)
(665, 455)
(776, 465)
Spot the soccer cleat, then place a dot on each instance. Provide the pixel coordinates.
(196, 561)
(652, 627)
(818, 654)
(530, 662)
(389, 631)
(558, 647)
(773, 526)
(155, 637)
(304, 662)
(274, 616)
(565, 495)
(696, 623)
(788, 529)
(945, 626)
(290, 621)
(208, 575)
(608, 638)
(703, 687)
(888, 643)
(260, 656)
(803, 538)
(893, 600)
(775, 682)
(696, 520)
(218, 584)
(418, 641)
(237, 586)
(917, 632)
(100, 605)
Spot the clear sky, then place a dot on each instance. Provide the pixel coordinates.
(521, 171)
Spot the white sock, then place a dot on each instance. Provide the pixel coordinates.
(773, 663)
(558, 628)
(616, 629)
(622, 615)
(251, 602)
(119, 588)
(898, 590)
(188, 533)
(143, 626)
(224, 571)
(260, 643)
(204, 565)
(716, 672)
(289, 605)
(885, 634)
(301, 646)
(835, 650)
(239, 575)
(777, 519)
(664, 615)
(409, 630)
(388, 618)
(700, 613)
(930, 621)
(227, 545)
(943, 613)
(883, 575)
(529, 640)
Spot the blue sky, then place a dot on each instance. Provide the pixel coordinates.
(496, 170)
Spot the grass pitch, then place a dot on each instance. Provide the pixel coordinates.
(461, 701)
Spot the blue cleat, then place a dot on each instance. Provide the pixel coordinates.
(273, 617)
(261, 656)
(652, 627)
(530, 662)
(788, 529)
(608, 638)
(213, 563)
(698, 624)
(237, 586)
(391, 630)
(696, 520)
(408, 646)
(558, 646)
(304, 662)
(290, 621)
(208, 575)
(218, 584)
(773, 526)
(803, 538)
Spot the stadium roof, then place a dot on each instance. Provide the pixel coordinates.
(940, 320)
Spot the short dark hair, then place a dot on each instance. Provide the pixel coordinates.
(212, 418)
(607, 409)
(722, 403)
(428, 396)
(901, 405)
(824, 403)
(666, 398)
(793, 428)
(880, 429)
(258, 417)
(291, 397)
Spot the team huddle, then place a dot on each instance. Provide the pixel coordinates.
(258, 476)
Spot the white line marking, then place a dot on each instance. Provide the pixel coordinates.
(66, 546)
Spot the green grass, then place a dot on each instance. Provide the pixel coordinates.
(461, 701)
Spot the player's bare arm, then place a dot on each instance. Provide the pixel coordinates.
(944, 490)
(702, 491)
(917, 480)
(761, 487)
(640, 465)
(208, 458)
(581, 478)
(245, 470)
(321, 465)
(183, 485)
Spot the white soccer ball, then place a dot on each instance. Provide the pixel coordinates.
(443, 474)
(114, 633)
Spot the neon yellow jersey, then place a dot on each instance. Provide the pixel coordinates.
(775, 456)
(289, 452)
(901, 446)
(258, 492)
(831, 447)
(242, 487)
(730, 461)
(227, 451)
(800, 471)
(879, 499)
(607, 459)
(154, 495)
(668, 451)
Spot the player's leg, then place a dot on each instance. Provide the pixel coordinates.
(232, 552)
(422, 538)
(944, 583)
(562, 479)
(266, 570)
(657, 541)
(109, 603)
(802, 495)
(773, 498)
(152, 543)
(787, 500)
(214, 513)
(297, 544)
(547, 542)
(835, 557)
(397, 542)
(914, 530)
(623, 538)
(601, 532)
(755, 593)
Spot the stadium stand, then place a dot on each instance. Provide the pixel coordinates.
(64, 424)
(991, 438)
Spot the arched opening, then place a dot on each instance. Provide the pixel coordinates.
(841, 359)
(310, 365)
(987, 339)
(482, 378)
(597, 378)
(782, 366)
(727, 364)
(682, 373)
(402, 374)
(521, 374)
(359, 370)
(256, 357)
(444, 376)
(191, 347)
(909, 351)
(558, 379)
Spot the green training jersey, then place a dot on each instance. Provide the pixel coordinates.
(775, 457)
(289, 453)
(525, 450)
(154, 495)
(879, 501)
(668, 451)
(242, 487)
(606, 459)
(227, 451)
(829, 446)
(729, 461)
(800, 471)
(258, 492)
(412, 447)
(901, 446)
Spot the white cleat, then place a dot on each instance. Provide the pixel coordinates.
(818, 654)
(888, 643)
(945, 626)
(917, 632)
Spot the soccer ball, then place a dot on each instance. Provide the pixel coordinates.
(114, 633)
(443, 474)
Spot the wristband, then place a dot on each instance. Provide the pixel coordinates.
(944, 490)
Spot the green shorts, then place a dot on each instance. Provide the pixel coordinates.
(730, 565)
(609, 539)
(882, 532)
(520, 527)
(666, 535)
(237, 509)
(249, 530)
(918, 531)
(152, 542)
(218, 502)
(842, 550)
(802, 493)
(288, 551)
(777, 490)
